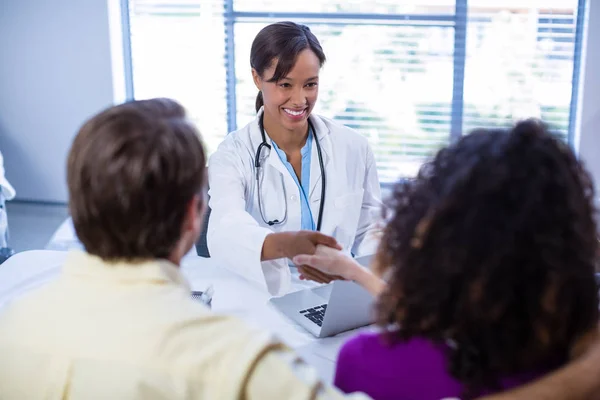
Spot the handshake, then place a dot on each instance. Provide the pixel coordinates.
(318, 257)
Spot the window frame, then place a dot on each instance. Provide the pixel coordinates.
(458, 20)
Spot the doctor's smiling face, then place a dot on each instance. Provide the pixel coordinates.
(289, 101)
(286, 59)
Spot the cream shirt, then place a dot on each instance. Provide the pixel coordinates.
(132, 331)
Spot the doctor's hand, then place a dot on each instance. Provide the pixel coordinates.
(311, 241)
(290, 244)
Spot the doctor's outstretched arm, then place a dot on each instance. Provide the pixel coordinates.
(236, 239)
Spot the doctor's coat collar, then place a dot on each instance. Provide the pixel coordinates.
(322, 131)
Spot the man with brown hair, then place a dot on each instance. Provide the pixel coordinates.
(120, 323)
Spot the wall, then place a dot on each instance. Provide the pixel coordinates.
(589, 145)
(55, 71)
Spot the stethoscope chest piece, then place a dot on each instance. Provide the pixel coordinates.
(259, 165)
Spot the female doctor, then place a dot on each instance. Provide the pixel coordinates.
(290, 180)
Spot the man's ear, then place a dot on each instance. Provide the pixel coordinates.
(194, 214)
(257, 79)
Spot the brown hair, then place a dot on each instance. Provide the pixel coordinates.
(491, 251)
(132, 171)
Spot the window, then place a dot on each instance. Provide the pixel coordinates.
(520, 62)
(177, 51)
(411, 76)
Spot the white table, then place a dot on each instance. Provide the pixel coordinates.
(233, 295)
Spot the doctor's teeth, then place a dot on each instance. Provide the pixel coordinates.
(296, 113)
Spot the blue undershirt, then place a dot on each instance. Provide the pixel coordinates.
(307, 221)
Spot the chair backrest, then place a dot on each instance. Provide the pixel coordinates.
(201, 245)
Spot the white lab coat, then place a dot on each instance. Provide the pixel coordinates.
(236, 230)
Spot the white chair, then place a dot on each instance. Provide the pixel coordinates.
(7, 192)
(5, 250)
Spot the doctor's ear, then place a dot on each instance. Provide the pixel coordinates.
(257, 79)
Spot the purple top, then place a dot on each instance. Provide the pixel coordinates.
(412, 370)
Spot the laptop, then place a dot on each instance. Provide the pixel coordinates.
(330, 309)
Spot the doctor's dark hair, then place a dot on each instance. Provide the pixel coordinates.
(132, 171)
(491, 253)
(281, 42)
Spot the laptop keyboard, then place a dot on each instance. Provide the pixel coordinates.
(315, 314)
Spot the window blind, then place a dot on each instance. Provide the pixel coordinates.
(520, 59)
(410, 76)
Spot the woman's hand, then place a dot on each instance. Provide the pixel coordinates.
(335, 263)
(312, 274)
(308, 242)
(291, 244)
(329, 261)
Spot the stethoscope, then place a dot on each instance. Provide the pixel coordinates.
(258, 166)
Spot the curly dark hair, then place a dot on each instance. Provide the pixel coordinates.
(492, 250)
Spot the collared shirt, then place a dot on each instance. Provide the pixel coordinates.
(132, 331)
(306, 217)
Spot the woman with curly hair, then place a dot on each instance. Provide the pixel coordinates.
(488, 261)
